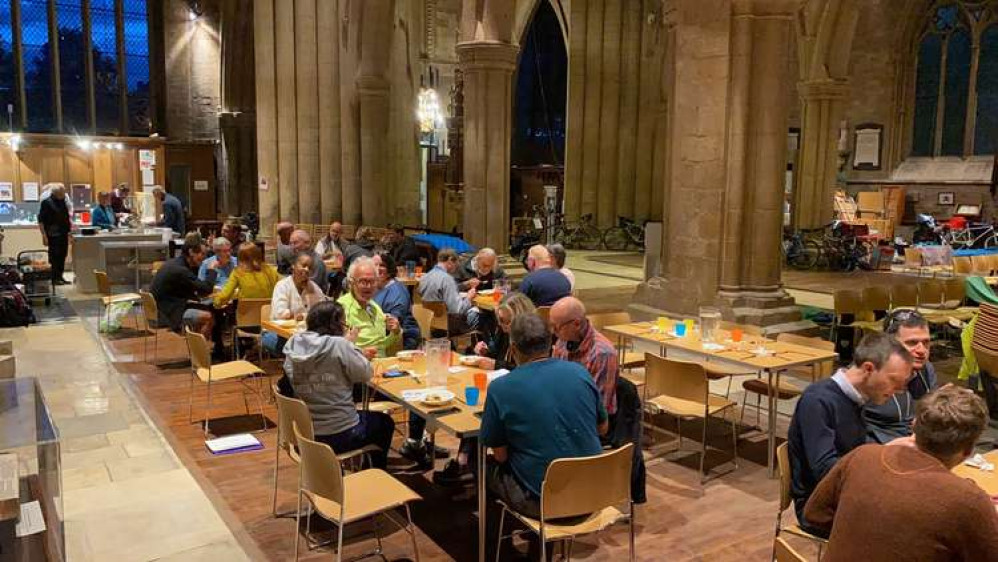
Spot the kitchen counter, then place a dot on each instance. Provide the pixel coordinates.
(89, 254)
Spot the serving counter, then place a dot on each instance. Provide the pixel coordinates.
(118, 253)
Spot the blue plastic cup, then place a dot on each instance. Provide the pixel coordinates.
(471, 395)
(680, 330)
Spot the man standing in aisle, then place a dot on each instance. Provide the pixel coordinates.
(173, 211)
(56, 227)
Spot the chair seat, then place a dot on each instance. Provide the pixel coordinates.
(249, 335)
(123, 297)
(366, 493)
(868, 325)
(785, 391)
(383, 406)
(633, 360)
(688, 408)
(715, 371)
(594, 523)
(230, 370)
(358, 452)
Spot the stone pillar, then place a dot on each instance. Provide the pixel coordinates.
(488, 74)
(372, 91)
(287, 124)
(822, 106)
(307, 100)
(266, 113)
(328, 58)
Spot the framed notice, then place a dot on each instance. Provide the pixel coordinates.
(147, 159)
(6, 191)
(29, 191)
(264, 186)
(200, 185)
(867, 146)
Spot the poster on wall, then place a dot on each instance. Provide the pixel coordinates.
(29, 190)
(200, 185)
(147, 159)
(264, 186)
(6, 191)
(148, 177)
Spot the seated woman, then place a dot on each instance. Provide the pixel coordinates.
(323, 364)
(293, 297)
(252, 278)
(393, 298)
(495, 354)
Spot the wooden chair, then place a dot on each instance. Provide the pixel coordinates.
(150, 313)
(545, 313)
(107, 299)
(424, 317)
(291, 412)
(786, 390)
(203, 370)
(981, 265)
(783, 552)
(441, 322)
(591, 487)
(962, 265)
(845, 301)
(913, 259)
(930, 293)
(681, 389)
(249, 314)
(347, 499)
(783, 469)
(904, 296)
(876, 305)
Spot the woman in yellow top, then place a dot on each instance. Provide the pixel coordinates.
(252, 278)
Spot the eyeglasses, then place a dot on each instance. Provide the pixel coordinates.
(900, 317)
(365, 282)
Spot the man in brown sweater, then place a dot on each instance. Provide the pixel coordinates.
(887, 502)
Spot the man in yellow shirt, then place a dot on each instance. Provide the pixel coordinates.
(377, 333)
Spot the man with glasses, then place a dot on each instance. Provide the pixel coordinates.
(579, 342)
(377, 332)
(892, 419)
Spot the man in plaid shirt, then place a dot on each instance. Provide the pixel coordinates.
(579, 342)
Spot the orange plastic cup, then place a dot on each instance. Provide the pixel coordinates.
(496, 297)
(419, 270)
(736, 335)
(481, 380)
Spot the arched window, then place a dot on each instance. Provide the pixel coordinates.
(70, 77)
(955, 110)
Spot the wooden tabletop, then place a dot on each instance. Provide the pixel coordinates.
(409, 281)
(988, 481)
(457, 417)
(779, 355)
(486, 302)
(283, 328)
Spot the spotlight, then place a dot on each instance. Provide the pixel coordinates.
(15, 143)
(84, 144)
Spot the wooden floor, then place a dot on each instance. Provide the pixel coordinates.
(732, 519)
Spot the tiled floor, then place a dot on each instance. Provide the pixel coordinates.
(127, 497)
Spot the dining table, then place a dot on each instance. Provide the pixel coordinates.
(456, 417)
(751, 353)
(986, 479)
(283, 328)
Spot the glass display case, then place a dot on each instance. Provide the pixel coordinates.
(30, 476)
(19, 213)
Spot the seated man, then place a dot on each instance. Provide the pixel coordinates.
(331, 244)
(232, 230)
(480, 272)
(223, 260)
(579, 342)
(892, 419)
(402, 248)
(828, 420)
(285, 255)
(438, 285)
(545, 409)
(378, 333)
(177, 290)
(558, 257)
(902, 502)
(362, 246)
(301, 243)
(293, 297)
(544, 285)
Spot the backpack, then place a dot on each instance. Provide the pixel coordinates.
(14, 307)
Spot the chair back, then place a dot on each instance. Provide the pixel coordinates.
(783, 470)
(981, 264)
(250, 311)
(930, 292)
(678, 379)
(913, 257)
(876, 298)
(439, 310)
(156, 266)
(292, 413)
(103, 283)
(199, 350)
(545, 313)
(149, 309)
(955, 290)
(818, 370)
(905, 295)
(424, 317)
(321, 472)
(586, 485)
(847, 301)
(265, 312)
(783, 552)
(962, 265)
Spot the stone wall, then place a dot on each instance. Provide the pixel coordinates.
(193, 60)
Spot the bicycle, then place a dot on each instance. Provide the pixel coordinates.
(974, 236)
(580, 235)
(800, 252)
(626, 234)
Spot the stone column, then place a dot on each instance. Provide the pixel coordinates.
(287, 125)
(328, 58)
(822, 106)
(488, 73)
(266, 113)
(372, 91)
(307, 99)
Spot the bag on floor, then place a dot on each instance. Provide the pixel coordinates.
(110, 321)
(14, 307)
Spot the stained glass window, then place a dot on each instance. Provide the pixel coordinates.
(72, 66)
(37, 65)
(927, 95)
(8, 70)
(986, 132)
(104, 37)
(957, 88)
(136, 39)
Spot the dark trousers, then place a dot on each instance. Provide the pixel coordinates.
(374, 428)
(58, 249)
(504, 486)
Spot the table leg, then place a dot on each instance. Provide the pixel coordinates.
(771, 429)
(481, 501)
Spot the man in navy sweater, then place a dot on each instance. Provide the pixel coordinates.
(828, 421)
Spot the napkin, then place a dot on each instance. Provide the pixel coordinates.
(418, 394)
(710, 346)
(493, 375)
(979, 462)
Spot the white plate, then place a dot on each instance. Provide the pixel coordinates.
(438, 398)
(408, 355)
(469, 360)
(286, 323)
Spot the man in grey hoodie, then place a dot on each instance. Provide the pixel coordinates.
(323, 364)
(893, 419)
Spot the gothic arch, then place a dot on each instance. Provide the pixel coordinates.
(525, 13)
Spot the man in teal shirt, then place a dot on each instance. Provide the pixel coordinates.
(378, 334)
(543, 410)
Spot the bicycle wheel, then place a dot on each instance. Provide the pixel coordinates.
(991, 241)
(806, 255)
(615, 239)
(589, 237)
(559, 235)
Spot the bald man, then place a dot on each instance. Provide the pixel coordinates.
(544, 285)
(331, 244)
(579, 342)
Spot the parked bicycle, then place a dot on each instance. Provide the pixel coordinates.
(800, 252)
(582, 235)
(626, 235)
(981, 235)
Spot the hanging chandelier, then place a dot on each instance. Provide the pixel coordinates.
(428, 111)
